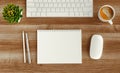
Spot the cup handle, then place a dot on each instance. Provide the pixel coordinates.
(110, 22)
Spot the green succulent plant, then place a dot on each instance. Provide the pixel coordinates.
(12, 13)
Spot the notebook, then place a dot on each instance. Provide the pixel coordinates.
(59, 47)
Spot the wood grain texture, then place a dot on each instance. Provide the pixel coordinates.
(11, 54)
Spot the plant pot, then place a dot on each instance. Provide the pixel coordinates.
(12, 13)
(20, 18)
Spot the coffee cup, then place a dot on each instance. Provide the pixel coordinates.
(106, 14)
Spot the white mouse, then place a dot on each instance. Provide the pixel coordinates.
(96, 47)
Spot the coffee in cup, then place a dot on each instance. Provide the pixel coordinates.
(106, 14)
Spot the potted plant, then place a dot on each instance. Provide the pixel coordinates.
(12, 13)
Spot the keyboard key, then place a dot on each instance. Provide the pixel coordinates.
(30, 1)
(57, 14)
(30, 4)
(43, 14)
(31, 9)
(28, 14)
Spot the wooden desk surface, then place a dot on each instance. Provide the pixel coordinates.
(11, 54)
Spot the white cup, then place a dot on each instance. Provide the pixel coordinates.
(104, 20)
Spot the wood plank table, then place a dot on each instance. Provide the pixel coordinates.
(11, 53)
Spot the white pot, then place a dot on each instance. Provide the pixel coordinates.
(20, 18)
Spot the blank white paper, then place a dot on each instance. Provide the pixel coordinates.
(59, 46)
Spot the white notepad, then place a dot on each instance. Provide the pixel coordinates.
(59, 47)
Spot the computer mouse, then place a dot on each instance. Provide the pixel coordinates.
(96, 47)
